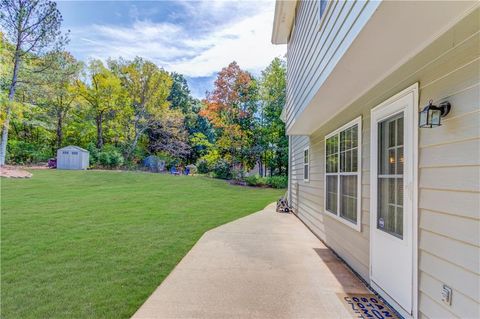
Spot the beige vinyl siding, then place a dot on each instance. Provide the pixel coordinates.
(315, 46)
(448, 174)
(351, 245)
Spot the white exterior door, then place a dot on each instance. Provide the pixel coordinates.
(393, 198)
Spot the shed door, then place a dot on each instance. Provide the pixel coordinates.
(76, 164)
(65, 159)
(71, 160)
(392, 177)
(68, 160)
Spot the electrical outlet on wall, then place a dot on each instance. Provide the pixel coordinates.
(447, 295)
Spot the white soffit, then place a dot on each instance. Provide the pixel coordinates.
(283, 20)
(395, 33)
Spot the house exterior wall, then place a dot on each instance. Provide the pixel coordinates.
(448, 169)
(317, 44)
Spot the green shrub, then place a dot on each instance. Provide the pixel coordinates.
(20, 152)
(212, 157)
(277, 181)
(110, 157)
(222, 169)
(202, 166)
(273, 181)
(255, 180)
(238, 174)
(116, 159)
(93, 150)
(211, 174)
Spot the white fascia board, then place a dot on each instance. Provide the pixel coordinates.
(283, 20)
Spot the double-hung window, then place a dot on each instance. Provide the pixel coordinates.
(306, 164)
(343, 173)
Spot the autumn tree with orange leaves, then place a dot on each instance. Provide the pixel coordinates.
(231, 108)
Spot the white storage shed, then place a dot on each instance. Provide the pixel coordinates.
(72, 157)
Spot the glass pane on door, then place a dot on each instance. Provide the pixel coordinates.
(390, 176)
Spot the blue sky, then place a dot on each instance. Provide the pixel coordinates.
(195, 38)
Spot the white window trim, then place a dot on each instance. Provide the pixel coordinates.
(336, 216)
(306, 164)
(321, 19)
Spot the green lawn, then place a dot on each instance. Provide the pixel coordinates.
(89, 244)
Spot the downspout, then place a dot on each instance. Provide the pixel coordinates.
(289, 172)
(283, 117)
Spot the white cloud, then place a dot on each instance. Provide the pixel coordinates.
(194, 53)
(247, 42)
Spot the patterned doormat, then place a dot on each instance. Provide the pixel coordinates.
(367, 306)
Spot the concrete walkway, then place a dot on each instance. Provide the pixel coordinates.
(266, 265)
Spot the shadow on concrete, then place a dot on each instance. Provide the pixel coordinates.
(349, 281)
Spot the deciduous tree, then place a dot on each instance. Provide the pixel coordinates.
(231, 108)
(58, 91)
(179, 96)
(103, 92)
(271, 137)
(33, 26)
(168, 135)
(148, 88)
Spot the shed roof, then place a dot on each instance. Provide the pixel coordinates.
(73, 146)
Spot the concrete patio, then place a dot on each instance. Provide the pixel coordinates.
(266, 265)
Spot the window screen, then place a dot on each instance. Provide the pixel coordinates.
(342, 173)
(390, 176)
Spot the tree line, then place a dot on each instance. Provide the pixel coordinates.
(123, 110)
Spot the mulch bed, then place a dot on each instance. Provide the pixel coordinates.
(9, 171)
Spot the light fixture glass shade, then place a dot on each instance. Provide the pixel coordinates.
(423, 118)
(435, 117)
(431, 115)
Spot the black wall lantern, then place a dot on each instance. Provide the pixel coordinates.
(431, 114)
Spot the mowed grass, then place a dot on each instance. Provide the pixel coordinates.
(92, 244)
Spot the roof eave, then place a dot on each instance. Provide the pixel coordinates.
(283, 20)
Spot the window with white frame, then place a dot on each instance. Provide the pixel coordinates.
(322, 6)
(342, 172)
(306, 164)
